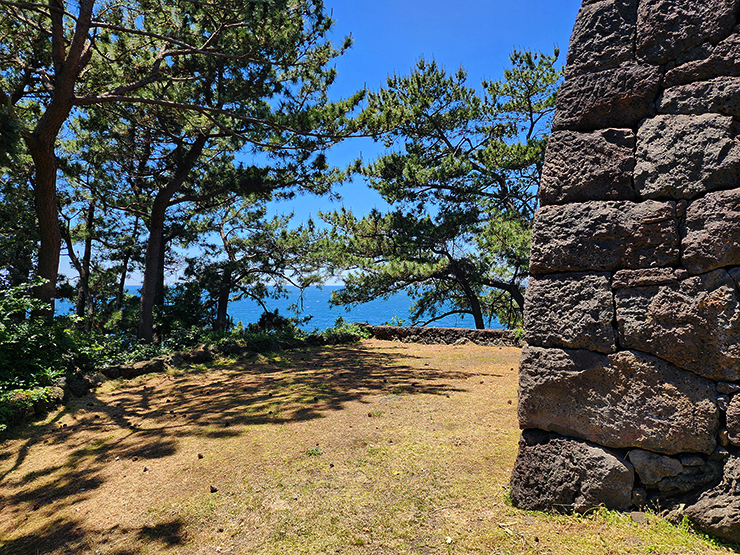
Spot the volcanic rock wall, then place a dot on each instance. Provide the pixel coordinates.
(630, 386)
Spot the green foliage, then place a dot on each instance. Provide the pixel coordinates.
(33, 351)
(344, 332)
(461, 177)
(15, 404)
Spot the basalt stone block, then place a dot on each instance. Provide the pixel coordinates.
(574, 311)
(623, 400)
(720, 95)
(652, 276)
(670, 476)
(682, 156)
(712, 232)
(618, 97)
(652, 468)
(603, 35)
(717, 511)
(720, 60)
(588, 166)
(666, 28)
(565, 474)
(693, 323)
(604, 236)
(733, 420)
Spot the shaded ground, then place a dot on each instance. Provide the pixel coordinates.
(373, 448)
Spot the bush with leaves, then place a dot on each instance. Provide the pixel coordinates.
(33, 351)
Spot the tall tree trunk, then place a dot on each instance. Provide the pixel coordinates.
(68, 63)
(128, 254)
(84, 305)
(50, 236)
(159, 286)
(470, 295)
(155, 244)
(223, 299)
(154, 247)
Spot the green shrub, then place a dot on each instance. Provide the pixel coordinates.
(33, 351)
(344, 332)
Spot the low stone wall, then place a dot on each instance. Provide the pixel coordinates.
(444, 336)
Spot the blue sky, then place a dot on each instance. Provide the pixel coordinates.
(391, 35)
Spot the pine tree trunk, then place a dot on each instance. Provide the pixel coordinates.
(223, 301)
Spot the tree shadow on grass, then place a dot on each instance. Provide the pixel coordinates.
(155, 411)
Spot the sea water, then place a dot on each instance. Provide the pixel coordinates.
(315, 303)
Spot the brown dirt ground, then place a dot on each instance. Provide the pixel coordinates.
(371, 448)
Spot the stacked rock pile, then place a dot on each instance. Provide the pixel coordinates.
(630, 386)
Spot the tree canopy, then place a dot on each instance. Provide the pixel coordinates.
(200, 75)
(460, 173)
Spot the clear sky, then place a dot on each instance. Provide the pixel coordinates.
(391, 35)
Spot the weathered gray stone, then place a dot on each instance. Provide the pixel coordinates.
(720, 95)
(733, 420)
(603, 35)
(604, 236)
(683, 156)
(693, 323)
(717, 511)
(720, 60)
(568, 475)
(690, 479)
(652, 468)
(128, 371)
(666, 28)
(618, 97)
(651, 276)
(588, 166)
(712, 232)
(626, 399)
(727, 388)
(575, 311)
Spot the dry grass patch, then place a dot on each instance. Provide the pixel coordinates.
(373, 448)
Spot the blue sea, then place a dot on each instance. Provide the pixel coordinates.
(316, 304)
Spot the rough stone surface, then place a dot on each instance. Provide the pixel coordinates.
(575, 311)
(713, 61)
(733, 420)
(445, 336)
(640, 214)
(604, 236)
(588, 166)
(683, 156)
(690, 479)
(727, 388)
(652, 276)
(720, 95)
(627, 399)
(712, 232)
(652, 468)
(128, 371)
(666, 28)
(618, 97)
(693, 323)
(717, 511)
(78, 385)
(565, 474)
(603, 35)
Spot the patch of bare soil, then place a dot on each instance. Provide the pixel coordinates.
(372, 448)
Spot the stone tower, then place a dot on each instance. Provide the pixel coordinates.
(630, 385)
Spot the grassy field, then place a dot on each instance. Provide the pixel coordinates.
(372, 448)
